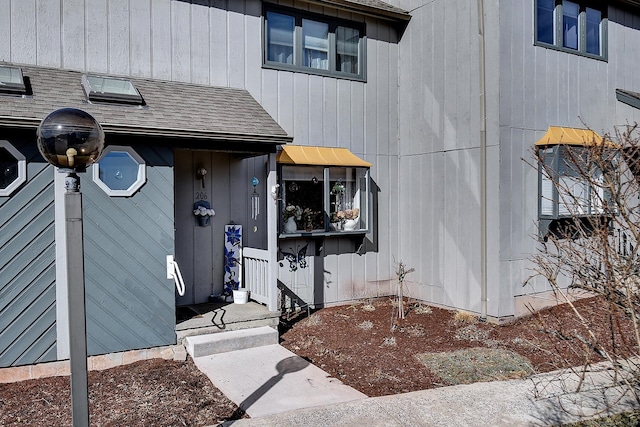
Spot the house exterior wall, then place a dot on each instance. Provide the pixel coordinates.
(27, 264)
(541, 87)
(213, 43)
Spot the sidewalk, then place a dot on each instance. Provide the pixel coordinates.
(545, 399)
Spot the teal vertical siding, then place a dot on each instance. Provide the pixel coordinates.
(130, 302)
(27, 265)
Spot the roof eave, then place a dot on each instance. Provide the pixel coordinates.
(365, 10)
(119, 129)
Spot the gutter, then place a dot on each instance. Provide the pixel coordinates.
(483, 165)
(179, 133)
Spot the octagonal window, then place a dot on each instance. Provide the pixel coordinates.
(120, 171)
(13, 169)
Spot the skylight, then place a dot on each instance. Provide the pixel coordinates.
(111, 89)
(11, 80)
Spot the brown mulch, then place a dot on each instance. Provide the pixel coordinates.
(364, 345)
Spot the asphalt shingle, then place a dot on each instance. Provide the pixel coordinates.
(175, 109)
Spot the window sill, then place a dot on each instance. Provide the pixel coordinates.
(313, 71)
(322, 234)
(571, 51)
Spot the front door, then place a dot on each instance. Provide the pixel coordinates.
(201, 180)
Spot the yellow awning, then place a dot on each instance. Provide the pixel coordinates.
(319, 156)
(557, 135)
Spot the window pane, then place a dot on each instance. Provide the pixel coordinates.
(570, 11)
(303, 197)
(545, 20)
(315, 37)
(280, 31)
(594, 18)
(8, 168)
(347, 40)
(118, 170)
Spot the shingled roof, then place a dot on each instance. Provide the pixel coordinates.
(172, 109)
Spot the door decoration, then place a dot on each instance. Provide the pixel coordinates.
(203, 212)
(255, 199)
(232, 258)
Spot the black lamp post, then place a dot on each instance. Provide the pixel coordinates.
(71, 140)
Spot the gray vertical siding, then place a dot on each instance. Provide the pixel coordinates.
(130, 302)
(27, 265)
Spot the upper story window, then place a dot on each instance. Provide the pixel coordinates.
(573, 26)
(315, 44)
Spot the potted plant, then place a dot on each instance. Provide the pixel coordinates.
(291, 214)
(203, 213)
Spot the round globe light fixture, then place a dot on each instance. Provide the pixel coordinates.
(70, 139)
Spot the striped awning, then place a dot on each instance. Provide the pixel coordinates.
(319, 156)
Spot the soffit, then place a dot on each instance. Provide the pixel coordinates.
(172, 109)
(319, 156)
(377, 8)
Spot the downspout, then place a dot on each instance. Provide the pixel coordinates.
(483, 166)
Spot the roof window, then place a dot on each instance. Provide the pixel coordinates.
(111, 90)
(11, 80)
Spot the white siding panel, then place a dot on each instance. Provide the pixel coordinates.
(237, 43)
(301, 109)
(119, 28)
(23, 28)
(343, 113)
(330, 113)
(161, 39)
(357, 118)
(140, 38)
(316, 119)
(5, 31)
(200, 47)
(180, 41)
(286, 95)
(47, 32)
(73, 34)
(218, 43)
(97, 36)
(253, 49)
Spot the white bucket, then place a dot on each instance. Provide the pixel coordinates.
(240, 296)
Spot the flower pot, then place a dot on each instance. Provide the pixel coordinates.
(240, 296)
(350, 224)
(290, 225)
(203, 221)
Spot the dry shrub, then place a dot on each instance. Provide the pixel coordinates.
(313, 320)
(422, 309)
(471, 333)
(389, 341)
(366, 325)
(462, 317)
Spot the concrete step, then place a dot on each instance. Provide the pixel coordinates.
(205, 345)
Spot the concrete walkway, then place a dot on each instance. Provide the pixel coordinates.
(270, 379)
(277, 388)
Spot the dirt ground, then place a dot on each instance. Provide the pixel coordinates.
(365, 345)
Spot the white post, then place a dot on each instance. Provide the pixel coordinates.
(272, 234)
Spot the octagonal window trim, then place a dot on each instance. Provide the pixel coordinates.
(22, 169)
(141, 177)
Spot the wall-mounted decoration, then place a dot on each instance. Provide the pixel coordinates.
(255, 199)
(203, 213)
(232, 258)
(297, 258)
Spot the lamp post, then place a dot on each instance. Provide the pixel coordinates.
(71, 140)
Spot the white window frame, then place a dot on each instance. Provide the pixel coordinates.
(133, 188)
(298, 45)
(582, 22)
(22, 169)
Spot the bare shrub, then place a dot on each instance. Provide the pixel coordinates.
(590, 245)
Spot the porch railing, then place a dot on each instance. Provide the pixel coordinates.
(258, 278)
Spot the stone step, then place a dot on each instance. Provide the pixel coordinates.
(205, 345)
